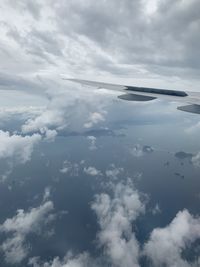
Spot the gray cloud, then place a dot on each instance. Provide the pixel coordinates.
(114, 172)
(168, 37)
(70, 168)
(33, 7)
(92, 140)
(158, 44)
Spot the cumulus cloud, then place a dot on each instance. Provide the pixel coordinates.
(166, 245)
(115, 213)
(49, 134)
(17, 146)
(115, 216)
(94, 118)
(17, 228)
(82, 260)
(92, 171)
(70, 108)
(51, 117)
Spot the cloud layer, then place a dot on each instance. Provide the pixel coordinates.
(142, 40)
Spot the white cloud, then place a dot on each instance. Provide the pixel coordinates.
(115, 216)
(94, 118)
(17, 146)
(81, 260)
(69, 108)
(49, 134)
(47, 118)
(165, 245)
(14, 247)
(92, 171)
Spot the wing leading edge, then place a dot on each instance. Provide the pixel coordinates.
(134, 93)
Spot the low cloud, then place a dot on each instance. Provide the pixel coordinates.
(47, 119)
(14, 247)
(115, 216)
(139, 150)
(17, 146)
(92, 171)
(50, 135)
(93, 119)
(62, 113)
(81, 260)
(166, 245)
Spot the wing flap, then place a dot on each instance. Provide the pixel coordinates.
(186, 97)
(135, 97)
(156, 91)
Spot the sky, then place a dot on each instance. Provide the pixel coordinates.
(87, 179)
(143, 42)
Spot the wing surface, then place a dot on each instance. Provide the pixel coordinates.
(135, 93)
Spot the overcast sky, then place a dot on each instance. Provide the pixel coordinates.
(144, 42)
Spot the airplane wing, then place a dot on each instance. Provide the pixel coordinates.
(135, 93)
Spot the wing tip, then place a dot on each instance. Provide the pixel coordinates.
(194, 108)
